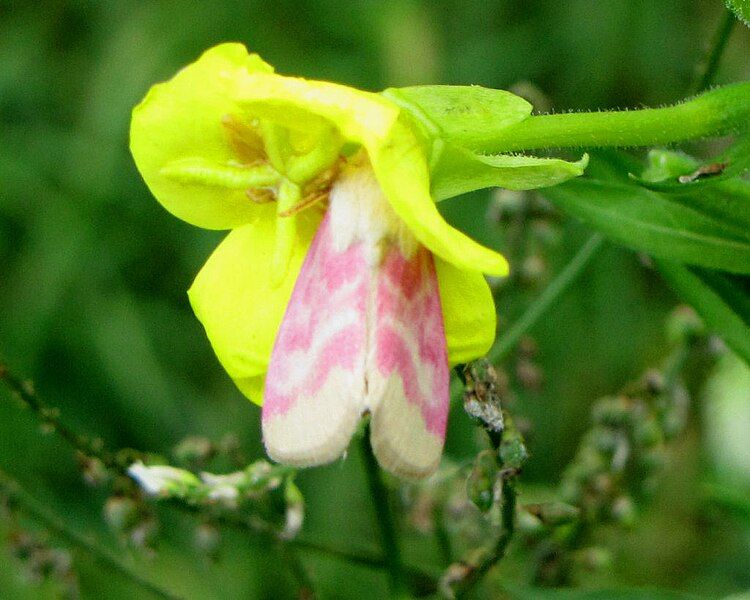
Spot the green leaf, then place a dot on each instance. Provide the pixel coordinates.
(655, 223)
(724, 197)
(741, 8)
(459, 171)
(723, 301)
(468, 116)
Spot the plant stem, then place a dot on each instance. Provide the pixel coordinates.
(717, 112)
(56, 525)
(384, 518)
(508, 513)
(306, 591)
(51, 417)
(717, 49)
(551, 293)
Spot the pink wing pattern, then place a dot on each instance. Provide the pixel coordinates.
(408, 375)
(315, 386)
(358, 337)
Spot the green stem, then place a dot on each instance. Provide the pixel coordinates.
(508, 513)
(384, 517)
(51, 417)
(306, 591)
(56, 525)
(551, 293)
(717, 112)
(717, 49)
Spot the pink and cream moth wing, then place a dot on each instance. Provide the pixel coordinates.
(407, 366)
(315, 386)
(360, 337)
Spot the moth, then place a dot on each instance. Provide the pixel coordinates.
(363, 333)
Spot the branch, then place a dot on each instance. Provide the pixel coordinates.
(551, 293)
(56, 525)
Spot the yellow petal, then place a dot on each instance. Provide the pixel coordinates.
(401, 168)
(235, 298)
(252, 388)
(468, 312)
(396, 153)
(181, 120)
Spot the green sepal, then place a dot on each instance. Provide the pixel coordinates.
(459, 171)
(468, 116)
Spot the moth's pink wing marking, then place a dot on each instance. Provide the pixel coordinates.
(315, 386)
(407, 366)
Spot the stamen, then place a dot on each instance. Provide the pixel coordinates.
(307, 202)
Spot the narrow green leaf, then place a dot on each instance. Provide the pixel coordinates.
(645, 220)
(468, 116)
(459, 171)
(722, 302)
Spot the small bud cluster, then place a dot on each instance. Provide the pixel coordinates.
(262, 495)
(530, 226)
(42, 563)
(619, 460)
(39, 562)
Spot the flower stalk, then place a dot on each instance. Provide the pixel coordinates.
(718, 112)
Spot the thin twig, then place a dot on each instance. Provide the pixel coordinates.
(57, 526)
(50, 417)
(306, 591)
(508, 512)
(384, 519)
(551, 293)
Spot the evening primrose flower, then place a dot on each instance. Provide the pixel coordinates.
(340, 289)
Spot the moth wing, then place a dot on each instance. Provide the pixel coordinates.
(315, 386)
(407, 366)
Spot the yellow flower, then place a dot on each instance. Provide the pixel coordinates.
(229, 144)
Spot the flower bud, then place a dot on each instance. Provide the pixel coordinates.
(161, 480)
(480, 486)
(207, 540)
(121, 513)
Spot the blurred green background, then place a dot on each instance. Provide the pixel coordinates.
(93, 271)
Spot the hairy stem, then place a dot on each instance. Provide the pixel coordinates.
(551, 293)
(58, 527)
(384, 519)
(722, 111)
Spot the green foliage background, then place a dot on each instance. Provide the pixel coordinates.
(93, 271)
